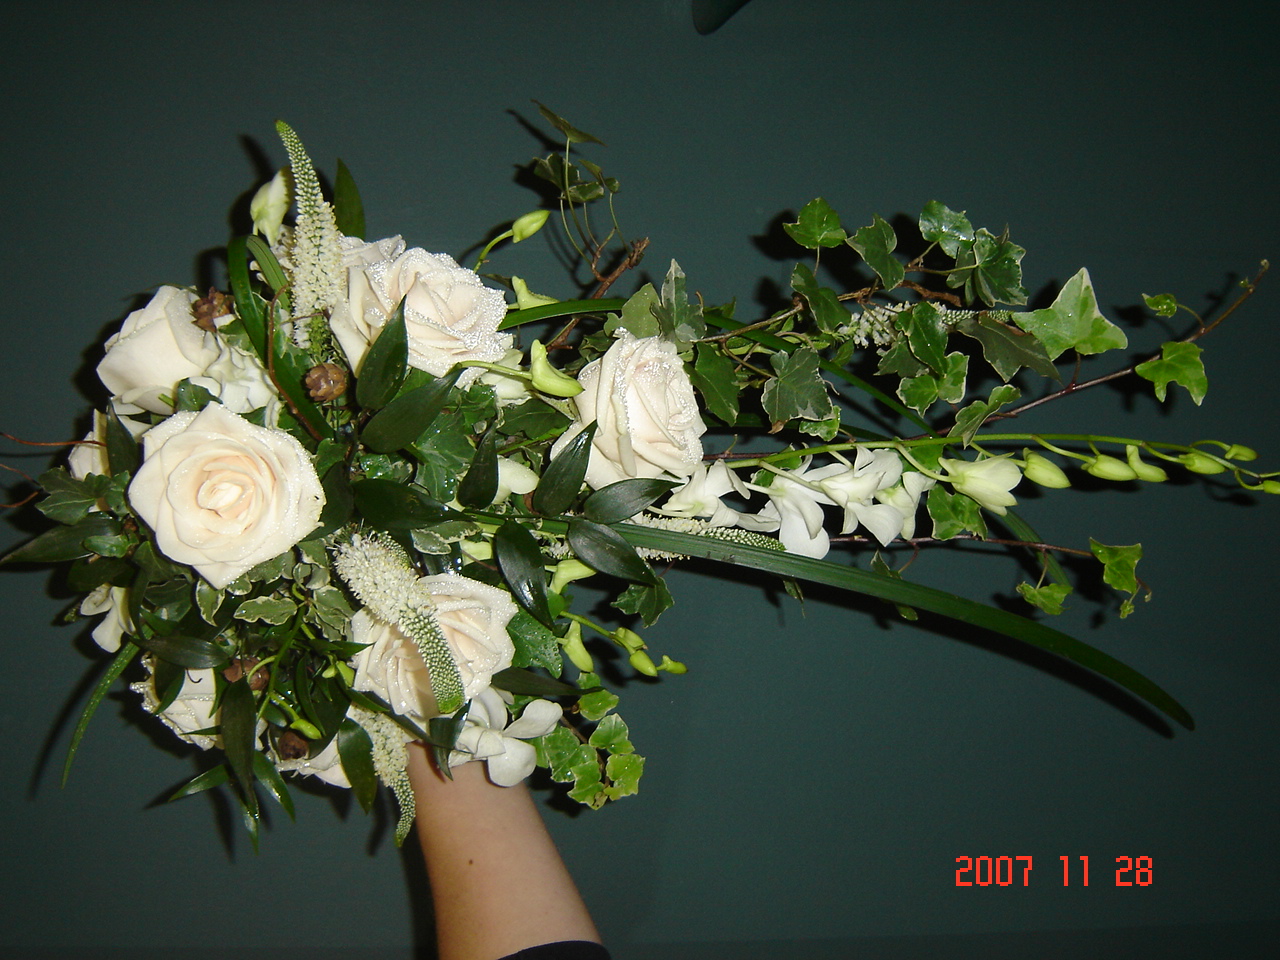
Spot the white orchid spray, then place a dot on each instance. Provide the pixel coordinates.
(342, 506)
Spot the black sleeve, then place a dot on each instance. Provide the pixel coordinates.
(564, 950)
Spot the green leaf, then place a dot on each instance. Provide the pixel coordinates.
(611, 734)
(339, 501)
(444, 733)
(797, 389)
(124, 656)
(64, 543)
(384, 365)
(713, 374)
(249, 306)
(1006, 348)
(355, 749)
(525, 683)
(923, 598)
(954, 513)
(899, 361)
(1178, 363)
(562, 479)
(520, 561)
(348, 208)
(638, 315)
(587, 786)
(276, 610)
(193, 653)
(604, 549)
(625, 498)
(69, 500)
(596, 704)
(270, 778)
(945, 227)
(571, 133)
(648, 600)
(876, 243)
(1048, 598)
(565, 752)
(392, 506)
(990, 270)
(970, 419)
(534, 418)
(919, 393)
(268, 265)
(624, 769)
(409, 415)
(926, 334)
(190, 397)
(1119, 569)
(213, 777)
(1073, 321)
(1162, 304)
(480, 484)
(535, 644)
(825, 306)
(238, 721)
(816, 226)
(123, 455)
(680, 320)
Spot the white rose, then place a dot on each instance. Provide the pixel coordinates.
(449, 314)
(239, 381)
(473, 619)
(156, 347)
(191, 710)
(647, 419)
(222, 494)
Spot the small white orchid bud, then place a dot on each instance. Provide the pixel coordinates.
(1238, 451)
(270, 204)
(525, 298)
(672, 666)
(526, 226)
(546, 378)
(1198, 462)
(1106, 467)
(574, 649)
(643, 663)
(1144, 471)
(567, 571)
(1041, 470)
(629, 639)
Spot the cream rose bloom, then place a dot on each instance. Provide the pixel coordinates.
(190, 711)
(473, 619)
(90, 455)
(222, 494)
(156, 347)
(648, 424)
(450, 315)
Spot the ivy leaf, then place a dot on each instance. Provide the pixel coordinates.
(274, 610)
(1119, 565)
(990, 269)
(611, 734)
(648, 600)
(1006, 348)
(945, 227)
(637, 316)
(954, 513)
(1178, 363)
(535, 644)
(797, 390)
(825, 306)
(1162, 304)
(816, 226)
(624, 770)
(564, 752)
(1073, 321)
(64, 543)
(875, 243)
(596, 704)
(899, 361)
(1048, 598)
(571, 133)
(970, 419)
(681, 321)
(926, 334)
(714, 376)
(69, 500)
(918, 392)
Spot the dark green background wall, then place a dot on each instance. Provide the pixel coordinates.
(816, 774)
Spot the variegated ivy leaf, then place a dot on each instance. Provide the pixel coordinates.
(1119, 570)
(954, 513)
(1048, 598)
(1178, 363)
(273, 610)
(1073, 321)
(797, 390)
(970, 419)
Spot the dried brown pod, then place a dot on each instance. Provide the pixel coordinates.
(291, 746)
(326, 381)
(211, 306)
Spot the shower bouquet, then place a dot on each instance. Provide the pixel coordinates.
(341, 504)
